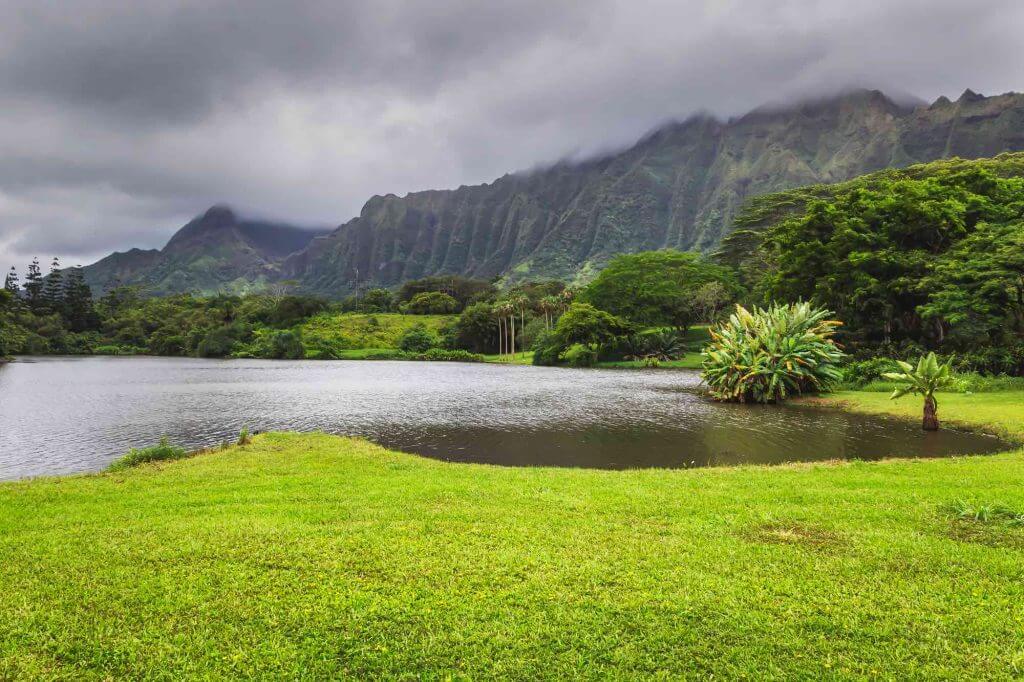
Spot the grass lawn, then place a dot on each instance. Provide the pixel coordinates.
(524, 358)
(315, 556)
(999, 412)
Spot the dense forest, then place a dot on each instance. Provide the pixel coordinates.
(926, 258)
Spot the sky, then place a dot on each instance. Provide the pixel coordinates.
(119, 121)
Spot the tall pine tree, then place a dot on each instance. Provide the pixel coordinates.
(11, 281)
(53, 289)
(78, 305)
(34, 286)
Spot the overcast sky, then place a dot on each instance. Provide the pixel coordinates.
(121, 120)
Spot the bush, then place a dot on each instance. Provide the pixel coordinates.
(546, 349)
(765, 355)
(154, 453)
(446, 355)
(857, 374)
(416, 340)
(286, 345)
(578, 355)
(217, 343)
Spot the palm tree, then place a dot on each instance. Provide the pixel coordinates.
(548, 305)
(505, 309)
(929, 376)
(499, 314)
(519, 302)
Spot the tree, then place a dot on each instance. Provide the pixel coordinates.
(928, 377)
(474, 330)
(584, 324)
(655, 288)
(79, 310)
(34, 286)
(548, 306)
(11, 282)
(430, 303)
(709, 300)
(53, 288)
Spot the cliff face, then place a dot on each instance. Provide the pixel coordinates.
(681, 186)
(215, 252)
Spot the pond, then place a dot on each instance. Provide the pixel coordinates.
(65, 415)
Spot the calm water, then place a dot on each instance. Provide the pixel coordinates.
(62, 415)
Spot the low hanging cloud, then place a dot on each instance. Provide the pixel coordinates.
(120, 121)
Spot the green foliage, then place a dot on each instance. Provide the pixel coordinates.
(417, 340)
(372, 301)
(155, 453)
(929, 376)
(960, 510)
(474, 330)
(217, 343)
(464, 290)
(579, 355)
(659, 288)
(286, 345)
(766, 355)
(244, 437)
(546, 349)
(430, 303)
(932, 254)
(584, 324)
(858, 374)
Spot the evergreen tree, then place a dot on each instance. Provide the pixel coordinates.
(34, 286)
(53, 289)
(78, 305)
(11, 281)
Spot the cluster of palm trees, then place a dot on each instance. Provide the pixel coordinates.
(513, 308)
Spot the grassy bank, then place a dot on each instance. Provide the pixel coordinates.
(1000, 412)
(316, 556)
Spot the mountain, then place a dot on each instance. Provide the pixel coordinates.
(217, 251)
(680, 186)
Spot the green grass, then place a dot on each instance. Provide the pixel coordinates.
(1000, 412)
(315, 556)
(688, 361)
(358, 331)
(524, 358)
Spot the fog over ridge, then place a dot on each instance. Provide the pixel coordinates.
(120, 122)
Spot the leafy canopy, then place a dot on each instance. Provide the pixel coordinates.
(655, 288)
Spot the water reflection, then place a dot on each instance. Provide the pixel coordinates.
(60, 415)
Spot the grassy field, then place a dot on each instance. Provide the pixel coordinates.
(311, 556)
(688, 361)
(524, 358)
(356, 331)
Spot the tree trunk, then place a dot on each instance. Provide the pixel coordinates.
(512, 317)
(931, 418)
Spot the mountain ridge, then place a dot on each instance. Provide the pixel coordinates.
(678, 186)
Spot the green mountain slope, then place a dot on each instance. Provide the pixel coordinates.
(215, 252)
(680, 186)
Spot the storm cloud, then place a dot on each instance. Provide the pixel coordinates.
(120, 121)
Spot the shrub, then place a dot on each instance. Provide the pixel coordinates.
(286, 345)
(546, 349)
(154, 453)
(217, 343)
(446, 355)
(767, 354)
(244, 437)
(857, 374)
(417, 340)
(579, 355)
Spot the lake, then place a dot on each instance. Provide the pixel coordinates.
(65, 415)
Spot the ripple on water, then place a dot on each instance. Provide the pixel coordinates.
(63, 415)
